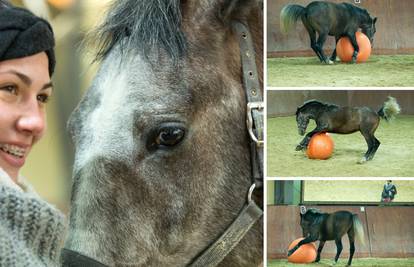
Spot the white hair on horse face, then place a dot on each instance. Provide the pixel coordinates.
(109, 131)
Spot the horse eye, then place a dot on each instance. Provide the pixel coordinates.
(169, 136)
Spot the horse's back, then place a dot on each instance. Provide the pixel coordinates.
(332, 17)
(337, 224)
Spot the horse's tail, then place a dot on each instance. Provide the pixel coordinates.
(289, 15)
(358, 229)
(389, 109)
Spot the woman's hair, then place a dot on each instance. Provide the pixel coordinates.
(23, 34)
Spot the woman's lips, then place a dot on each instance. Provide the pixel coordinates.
(13, 154)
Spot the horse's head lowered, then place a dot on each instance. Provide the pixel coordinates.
(302, 120)
(310, 221)
(303, 115)
(367, 25)
(162, 163)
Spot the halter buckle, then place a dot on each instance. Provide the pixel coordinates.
(250, 107)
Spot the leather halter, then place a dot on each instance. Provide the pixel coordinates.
(251, 212)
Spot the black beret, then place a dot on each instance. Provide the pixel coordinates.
(23, 34)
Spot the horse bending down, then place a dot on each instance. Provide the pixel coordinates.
(330, 226)
(325, 18)
(162, 164)
(344, 120)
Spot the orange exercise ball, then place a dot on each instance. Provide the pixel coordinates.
(345, 50)
(320, 146)
(62, 4)
(304, 254)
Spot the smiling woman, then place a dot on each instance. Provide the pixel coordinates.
(24, 90)
(31, 230)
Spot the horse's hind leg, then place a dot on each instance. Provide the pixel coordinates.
(321, 244)
(333, 57)
(319, 45)
(372, 142)
(312, 36)
(370, 139)
(351, 236)
(339, 247)
(376, 144)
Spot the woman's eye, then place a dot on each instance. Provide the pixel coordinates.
(169, 136)
(43, 98)
(10, 89)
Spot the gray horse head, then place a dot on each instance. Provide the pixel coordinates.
(162, 164)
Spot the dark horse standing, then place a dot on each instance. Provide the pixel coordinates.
(332, 19)
(344, 120)
(330, 226)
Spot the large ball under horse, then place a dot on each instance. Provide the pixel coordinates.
(323, 19)
(163, 162)
(344, 120)
(317, 225)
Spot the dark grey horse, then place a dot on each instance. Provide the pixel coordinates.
(344, 120)
(324, 18)
(330, 226)
(162, 163)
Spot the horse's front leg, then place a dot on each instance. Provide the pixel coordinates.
(307, 240)
(321, 244)
(305, 141)
(354, 43)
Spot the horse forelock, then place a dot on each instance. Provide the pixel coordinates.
(144, 25)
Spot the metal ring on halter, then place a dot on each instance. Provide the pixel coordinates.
(249, 194)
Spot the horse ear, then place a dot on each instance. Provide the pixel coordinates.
(375, 20)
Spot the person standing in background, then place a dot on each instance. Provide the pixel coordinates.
(389, 192)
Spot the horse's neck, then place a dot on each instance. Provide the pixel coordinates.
(314, 111)
(362, 17)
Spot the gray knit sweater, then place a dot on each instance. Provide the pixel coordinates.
(31, 230)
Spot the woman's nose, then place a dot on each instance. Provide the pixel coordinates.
(32, 119)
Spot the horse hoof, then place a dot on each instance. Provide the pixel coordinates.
(362, 161)
(330, 62)
(299, 148)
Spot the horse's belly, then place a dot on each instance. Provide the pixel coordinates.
(346, 129)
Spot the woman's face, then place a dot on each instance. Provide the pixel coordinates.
(25, 87)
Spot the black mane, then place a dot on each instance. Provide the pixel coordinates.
(315, 103)
(362, 13)
(147, 24)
